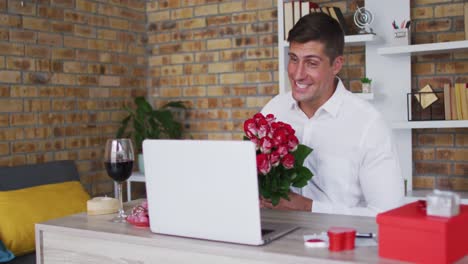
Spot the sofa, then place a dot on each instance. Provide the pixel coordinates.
(29, 177)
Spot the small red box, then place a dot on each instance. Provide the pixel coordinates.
(407, 233)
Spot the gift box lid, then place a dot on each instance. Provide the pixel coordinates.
(413, 215)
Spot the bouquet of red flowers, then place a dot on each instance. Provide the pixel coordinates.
(280, 157)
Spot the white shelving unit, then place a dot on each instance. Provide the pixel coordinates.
(429, 124)
(389, 66)
(424, 48)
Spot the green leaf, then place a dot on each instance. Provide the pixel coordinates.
(176, 104)
(303, 176)
(301, 154)
(123, 126)
(275, 198)
(143, 105)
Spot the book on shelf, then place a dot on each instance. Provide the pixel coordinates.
(466, 21)
(461, 94)
(447, 102)
(294, 10)
(335, 12)
(324, 9)
(453, 103)
(288, 18)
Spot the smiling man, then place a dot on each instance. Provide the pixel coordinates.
(354, 162)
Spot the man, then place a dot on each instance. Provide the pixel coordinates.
(354, 162)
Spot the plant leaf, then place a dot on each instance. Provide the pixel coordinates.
(143, 105)
(301, 154)
(175, 104)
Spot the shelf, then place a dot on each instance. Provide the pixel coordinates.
(365, 96)
(424, 48)
(351, 40)
(429, 124)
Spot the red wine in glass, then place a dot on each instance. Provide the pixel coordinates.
(118, 160)
(120, 171)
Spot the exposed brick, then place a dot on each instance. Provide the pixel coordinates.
(433, 25)
(36, 105)
(10, 76)
(423, 68)
(448, 10)
(22, 119)
(22, 36)
(439, 168)
(423, 182)
(11, 134)
(51, 39)
(452, 67)
(37, 51)
(245, 17)
(14, 63)
(452, 154)
(11, 49)
(206, 10)
(11, 105)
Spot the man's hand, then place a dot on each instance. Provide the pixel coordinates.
(296, 203)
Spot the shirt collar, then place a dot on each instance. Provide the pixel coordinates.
(332, 105)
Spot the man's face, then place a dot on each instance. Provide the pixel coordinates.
(311, 74)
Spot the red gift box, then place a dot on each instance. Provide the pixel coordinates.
(407, 233)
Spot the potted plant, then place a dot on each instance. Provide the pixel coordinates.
(366, 85)
(149, 123)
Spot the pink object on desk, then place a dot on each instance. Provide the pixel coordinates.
(139, 216)
(341, 238)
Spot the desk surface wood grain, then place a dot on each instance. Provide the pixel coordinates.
(94, 239)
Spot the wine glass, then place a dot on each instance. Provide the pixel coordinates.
(118, 160)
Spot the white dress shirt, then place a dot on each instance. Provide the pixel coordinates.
(354, 162)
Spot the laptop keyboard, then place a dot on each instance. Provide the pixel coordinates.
(266, 231)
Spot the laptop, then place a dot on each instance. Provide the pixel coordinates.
(206, 189)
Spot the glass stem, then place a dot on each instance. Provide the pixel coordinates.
(121, 213)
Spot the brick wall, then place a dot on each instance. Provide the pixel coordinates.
(66, 69)
(221, 56)
(440, 155)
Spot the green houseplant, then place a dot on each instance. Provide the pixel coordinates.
(145, 122)
(366, 85)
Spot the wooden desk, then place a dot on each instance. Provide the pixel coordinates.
(93, 239)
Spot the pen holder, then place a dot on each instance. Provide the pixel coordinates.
(401, 36)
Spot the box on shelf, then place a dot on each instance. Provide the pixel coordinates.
(401, 37)
(407, 233)
(420, 106)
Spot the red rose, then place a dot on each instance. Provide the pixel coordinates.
(263, 128)
(263, 164)
(270, 118)
(258, 116)
(280, 136)
(282, 150)
(266, 144)
(288, 161)
(250, 128)
(274, 158)
(292, 142)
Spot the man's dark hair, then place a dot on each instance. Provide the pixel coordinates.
(319, 27)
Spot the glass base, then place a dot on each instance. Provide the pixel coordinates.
(119, 219)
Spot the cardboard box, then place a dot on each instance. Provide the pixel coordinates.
(407, 233)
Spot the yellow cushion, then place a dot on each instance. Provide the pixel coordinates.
(21, 209)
